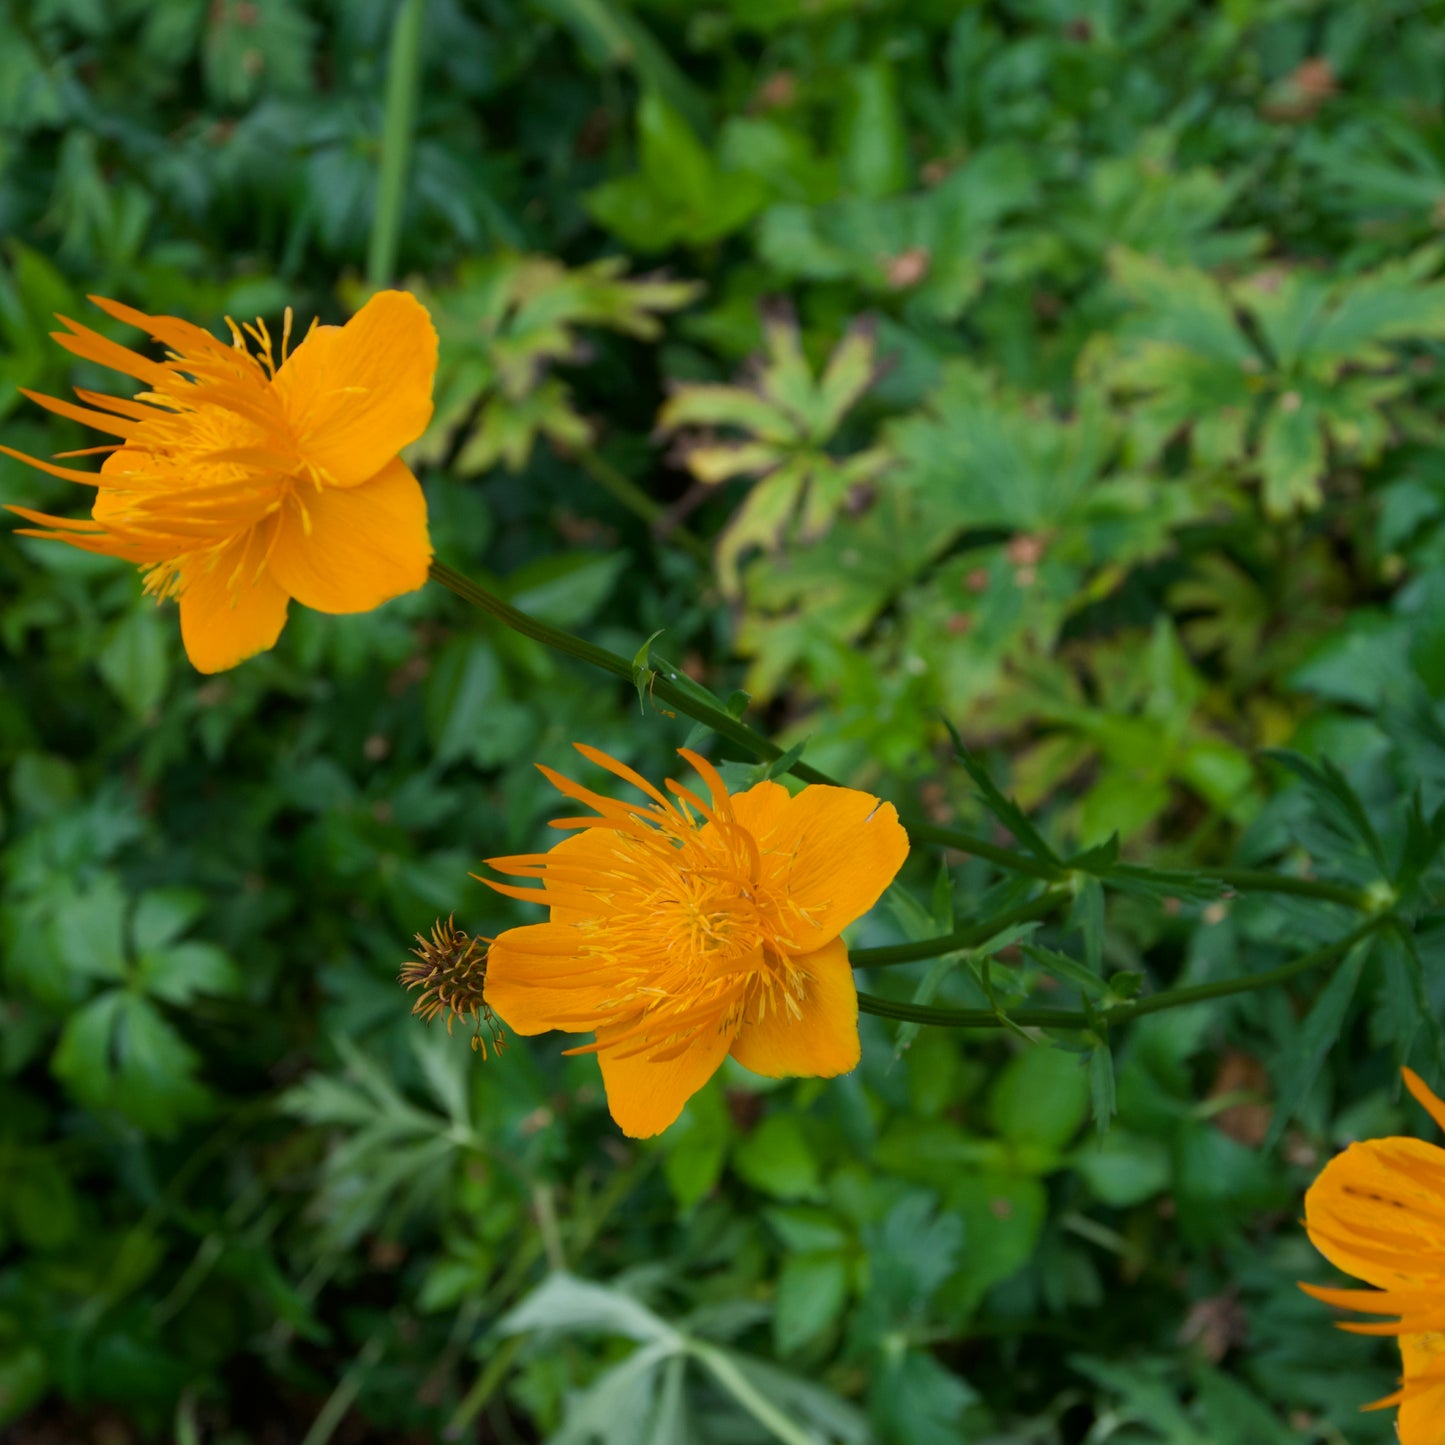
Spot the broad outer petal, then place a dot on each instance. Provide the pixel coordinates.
(365, 545)
(1422, 1412)
(538, 979)
(647, 1095)
(222, 625)
(355, 395)
(1374, 1220)
(824, 1041)
(834, 851)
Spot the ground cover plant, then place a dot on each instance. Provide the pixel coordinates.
(1020, 414)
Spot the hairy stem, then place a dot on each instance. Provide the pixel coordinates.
(1055, 1018)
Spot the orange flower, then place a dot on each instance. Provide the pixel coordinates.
(683, 931)
(239, 483)
(1377, 1211)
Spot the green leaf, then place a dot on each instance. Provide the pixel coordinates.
(696, 1147)
(777, 1160)
(812, 1290)
(89, 930)
(916, 1401)
(119, 1053)
(461, 686)
(1040, 1099)
(1292, 456)
(1336, 801)
(679, 194)
(873, 145)
(178, 973)
(566, 589)
(136, 660)
(1003, 808)
(162, 915)
(1300, 1063)
(1123, 1168)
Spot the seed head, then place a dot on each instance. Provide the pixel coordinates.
(450, 968)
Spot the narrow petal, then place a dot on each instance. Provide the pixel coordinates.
(351, 550)
(355, 395)
(823, 1042)
(645, 1095)
(86, 416)
(90, 345)
(832, 850)
(1425, 1096)
(539, 979)
(228, 613)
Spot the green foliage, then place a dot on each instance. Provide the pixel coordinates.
(787, 418)
(1100, 430)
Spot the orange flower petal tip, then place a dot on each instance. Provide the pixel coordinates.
(693, 926)
(248, 476)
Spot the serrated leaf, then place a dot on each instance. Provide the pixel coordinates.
(1003, 808)
(1300, 1064)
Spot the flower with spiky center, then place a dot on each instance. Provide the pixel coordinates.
(450, 968)
(685, 930)
(241, 481)
(1377, 1211)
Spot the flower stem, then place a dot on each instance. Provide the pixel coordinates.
(623, 489)
(960, 939)
(1053, 1018)
(690, 700)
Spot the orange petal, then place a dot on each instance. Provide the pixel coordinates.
(1369, 1194)
(86, 416)
(225, 622)
(351, 550)
(820, 1044)
(1422, 1410)
(92, 346)
(646, 1095)
(538, 978)
(833, 850)
(355, 395)
(1425, 1096)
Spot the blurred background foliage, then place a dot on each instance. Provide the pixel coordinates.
(1067, 369)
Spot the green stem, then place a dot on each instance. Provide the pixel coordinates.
(663, 685)
(1261, 880)
(960, 939)
(1053, 1018)
(403, 74)
(626, 491)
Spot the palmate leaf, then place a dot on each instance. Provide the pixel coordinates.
(779, 424)
(1337, 803)
(502, 324)
(929, 248)
(1314, 374)
(679, 193)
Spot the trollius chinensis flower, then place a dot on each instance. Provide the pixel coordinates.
(243, 478)
(685, 929)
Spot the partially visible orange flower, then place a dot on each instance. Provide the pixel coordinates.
(684, 930)
(240, 482)
(1377, 1211)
